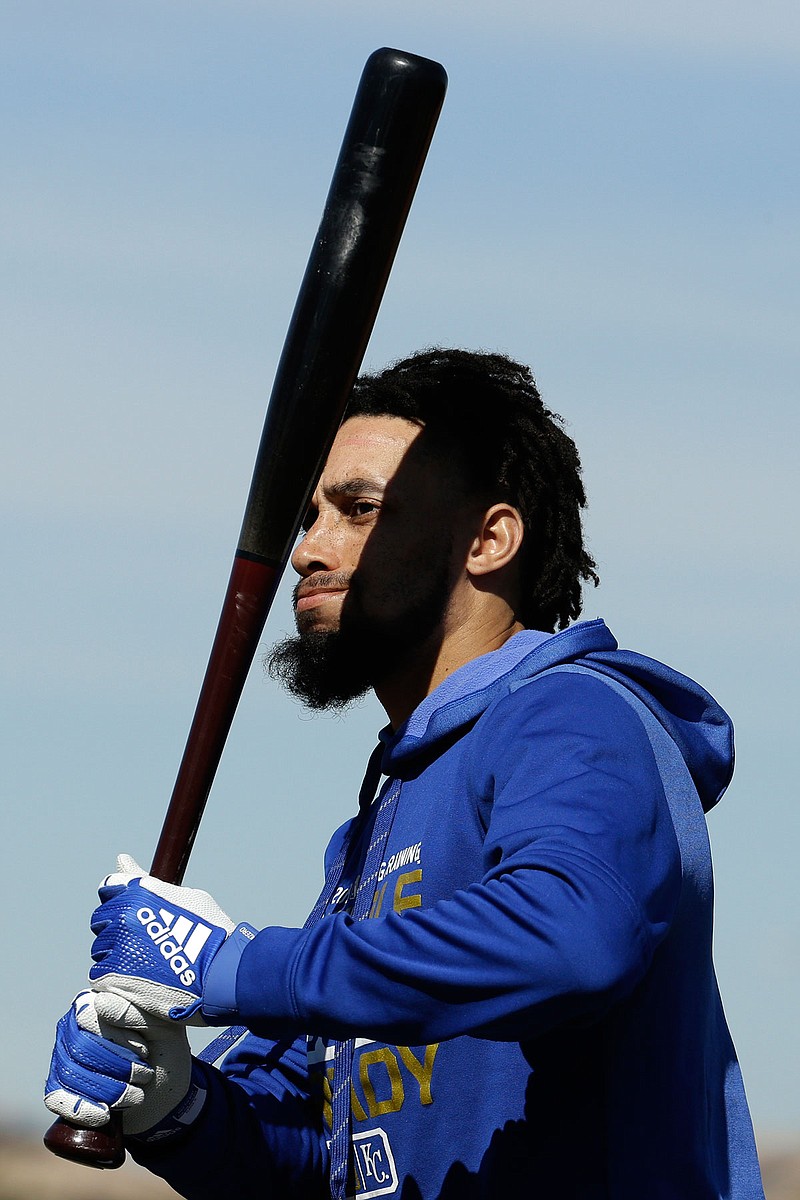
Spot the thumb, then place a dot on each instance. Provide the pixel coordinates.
(127, 869)
(128, 866)
(113, 1009)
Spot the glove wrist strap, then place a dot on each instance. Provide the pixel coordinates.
(219, 1005)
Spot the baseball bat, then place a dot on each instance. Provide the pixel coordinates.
(383, 151)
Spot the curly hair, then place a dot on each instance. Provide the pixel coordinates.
(484, 412)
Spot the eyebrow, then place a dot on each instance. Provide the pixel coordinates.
(355, 487)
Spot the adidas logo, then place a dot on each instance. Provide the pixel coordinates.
(179, 939)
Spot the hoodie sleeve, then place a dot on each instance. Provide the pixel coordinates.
(581, 876)
(260, 1132)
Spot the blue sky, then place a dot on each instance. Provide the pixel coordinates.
(611, 195)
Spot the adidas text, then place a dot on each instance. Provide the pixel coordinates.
(178, 942)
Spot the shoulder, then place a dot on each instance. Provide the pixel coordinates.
(564, 721)
(564, 698)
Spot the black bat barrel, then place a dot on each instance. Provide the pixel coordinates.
(387, 138)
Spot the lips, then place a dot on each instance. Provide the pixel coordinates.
(312, 597)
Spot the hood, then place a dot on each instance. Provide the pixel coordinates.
(698, 725)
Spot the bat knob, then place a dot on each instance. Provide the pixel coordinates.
(102, 1148)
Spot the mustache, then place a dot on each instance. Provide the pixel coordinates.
(324, 579)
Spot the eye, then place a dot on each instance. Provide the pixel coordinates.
(363, 508)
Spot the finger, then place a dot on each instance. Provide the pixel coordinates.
(81, 1055)
(85, 1012)
(77, 1109)
(117, 1020)
(100, 919)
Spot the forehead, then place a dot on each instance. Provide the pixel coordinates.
(371, 448)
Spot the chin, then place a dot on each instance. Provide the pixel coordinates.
(313, 622)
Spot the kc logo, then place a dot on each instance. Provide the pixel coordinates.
(376, 1174)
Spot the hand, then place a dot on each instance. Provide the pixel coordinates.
(110, 1057)
(155, 942)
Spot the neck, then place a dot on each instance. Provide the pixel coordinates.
(435, 660)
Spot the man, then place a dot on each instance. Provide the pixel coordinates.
(506, 988)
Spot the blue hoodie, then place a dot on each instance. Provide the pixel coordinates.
(534, 998)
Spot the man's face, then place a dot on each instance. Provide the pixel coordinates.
(378, 562)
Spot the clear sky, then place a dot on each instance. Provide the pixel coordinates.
(612, 196)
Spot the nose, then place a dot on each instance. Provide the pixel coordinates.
(317, 551)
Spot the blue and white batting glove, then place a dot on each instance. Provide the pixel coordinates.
(156, 944)
(141, 1069)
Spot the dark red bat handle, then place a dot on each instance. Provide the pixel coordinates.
(250, 591)
(384, 148)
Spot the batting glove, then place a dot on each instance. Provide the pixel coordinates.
(156, 944)
(127, 1064)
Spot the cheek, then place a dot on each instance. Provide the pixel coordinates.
(420, 568)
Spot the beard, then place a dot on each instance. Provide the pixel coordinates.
(329, 669)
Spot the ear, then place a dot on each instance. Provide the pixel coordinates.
(497, 542)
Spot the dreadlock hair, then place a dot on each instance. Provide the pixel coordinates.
(484, 413)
